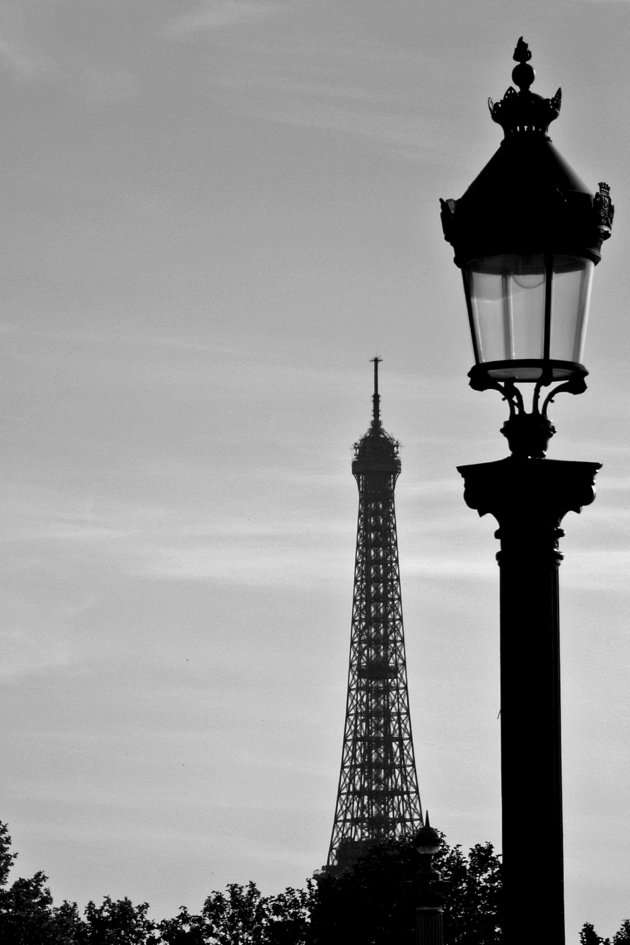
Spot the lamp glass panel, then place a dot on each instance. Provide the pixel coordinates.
(507, 298)
(571, 295)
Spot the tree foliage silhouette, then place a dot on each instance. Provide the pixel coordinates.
(375, 902)
(372, 904)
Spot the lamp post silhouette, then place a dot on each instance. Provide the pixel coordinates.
(432, 889)
(527, 234)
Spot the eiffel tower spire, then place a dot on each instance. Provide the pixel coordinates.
(378, 797)
(376, 400)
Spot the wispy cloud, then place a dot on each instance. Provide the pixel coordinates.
(153, 543)
(307, 73)
(450, 567)
(249, 564)
(17, 57)
(19, 52)
(33, 46)
(217, 14)
(362, 89)
(25, 653)
(106, 84)
(132, 539)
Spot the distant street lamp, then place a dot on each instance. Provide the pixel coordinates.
(527, 234)
(432, 889)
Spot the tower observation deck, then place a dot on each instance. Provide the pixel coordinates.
(378, 797)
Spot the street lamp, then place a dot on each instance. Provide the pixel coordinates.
(432, 889)
(527, 234)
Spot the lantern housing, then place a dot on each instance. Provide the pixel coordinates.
(527, 234)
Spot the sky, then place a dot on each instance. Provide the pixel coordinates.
(215, 212)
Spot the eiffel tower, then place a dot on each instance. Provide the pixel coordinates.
(378, 797)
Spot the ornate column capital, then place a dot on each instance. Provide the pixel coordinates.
(529, 493)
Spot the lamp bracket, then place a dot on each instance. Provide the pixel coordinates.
(528, 433)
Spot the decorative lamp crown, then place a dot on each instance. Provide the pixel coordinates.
(427, 840)
(427, 843)
(524, 112)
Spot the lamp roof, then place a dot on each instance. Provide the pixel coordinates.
(427, 839)
(527, 199)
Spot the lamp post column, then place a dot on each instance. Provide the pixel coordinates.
(529, 498)
(432, 889)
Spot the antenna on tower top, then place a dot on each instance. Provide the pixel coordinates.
(376, 400)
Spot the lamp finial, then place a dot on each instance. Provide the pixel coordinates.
(524, 112)
(523, 74)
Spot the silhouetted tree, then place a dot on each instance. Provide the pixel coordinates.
(68, 925)
(374, 903)
(289, 916)
(238, 915)
(119, 922)
(28, 917)
(183, 929)
(242, 914)
(6, 857)
(26, 913)
(588, 936)
(472, 905)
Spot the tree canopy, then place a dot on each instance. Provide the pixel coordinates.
(588, 935)
(374, 903)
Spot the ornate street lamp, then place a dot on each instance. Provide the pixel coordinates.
(527, 234)
(432, 889)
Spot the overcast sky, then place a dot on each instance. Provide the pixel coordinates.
(213, 215)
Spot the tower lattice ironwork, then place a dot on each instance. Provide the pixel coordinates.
(378, 795)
